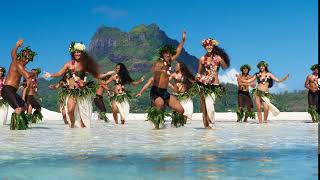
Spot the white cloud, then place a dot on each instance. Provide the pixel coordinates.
(279, 88)
(229, 76)
(110, 12)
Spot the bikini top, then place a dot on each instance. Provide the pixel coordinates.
(118, 81)
(73, 73)
(262, 80)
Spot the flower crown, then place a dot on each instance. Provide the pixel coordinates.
(167, 48)
(314, 67)
(262, 63)
(245, 66)
(3, 70)
(26, 53)
(76, 47)
(209, 41)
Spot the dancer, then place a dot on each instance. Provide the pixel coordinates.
(121, 97)
(313, 93)
(29, 97)
(17, 69)
(208, 85)
(244, 98)
(3, 104)
(78, 104)
(159, 95)
(261, 92)
(98, 100)
(183, 80)
(63, 84)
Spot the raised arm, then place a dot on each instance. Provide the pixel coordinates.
(279, 80)
(180, 47)
(135, 83)
(15, 49)
(145, 87)
(62, 71)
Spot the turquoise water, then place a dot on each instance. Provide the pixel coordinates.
(279, 150)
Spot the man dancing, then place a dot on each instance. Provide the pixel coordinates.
(9, 91)
(159, 94)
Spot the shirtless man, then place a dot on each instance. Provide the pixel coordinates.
(313, 93)
(159, 95)
(244, 98)
(30, 99)
(9, 92)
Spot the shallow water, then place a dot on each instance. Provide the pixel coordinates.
(51, 150)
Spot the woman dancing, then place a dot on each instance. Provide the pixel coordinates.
(244, 98)
(121, 97)
(183, 80)
(312, 85)
(78, 104)
(261, 93)
(208, 85)
(3, 104)
(29, 98)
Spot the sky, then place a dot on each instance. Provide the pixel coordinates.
(282, 32)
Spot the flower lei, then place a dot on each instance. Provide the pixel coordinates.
(75, 77)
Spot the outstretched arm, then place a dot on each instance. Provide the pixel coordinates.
(62, 71)
(145, 87)
(180, 47)
(15, 49)
(105, 85)
(104, 75)
(279, 80)
(135, 83)
(248, 81)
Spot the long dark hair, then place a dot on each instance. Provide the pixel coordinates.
(186, 74)
(221, 52)
(124, 74)
(270, 81)
(88, 63)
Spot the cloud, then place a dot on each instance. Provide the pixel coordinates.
(229, 76)
(279, 88)
(109, 11)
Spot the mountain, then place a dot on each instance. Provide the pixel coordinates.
(137, 49)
